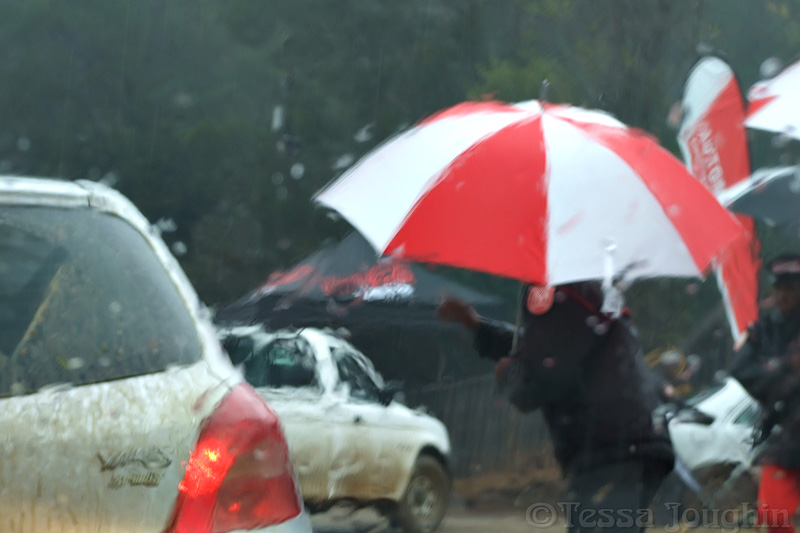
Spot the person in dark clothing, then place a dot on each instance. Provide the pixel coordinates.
(768, 366)
(585, 371)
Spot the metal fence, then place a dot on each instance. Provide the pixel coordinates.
(487, 434)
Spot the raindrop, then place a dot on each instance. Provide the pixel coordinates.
(333, 215)
(344, 161)
(277, 118)
(781, 140)
(692, 288)
(277, 178)
(560, 297)
(548, 362)
(297, 171)
(17, 389)
(592, 321)
(110, 179)
(794, 184)
(675, 115)
(282, 193)
(184, 100)
(364, 134)
(166, 225)
(674, 210)
(75, 363)
(115, 308)
(179, 248)
(280, 146)
(770, 67)
(23, 144)
(779, 405)
(104, 362)
(601, 329)
(284, 243)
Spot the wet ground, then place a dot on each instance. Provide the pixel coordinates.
(468, 521)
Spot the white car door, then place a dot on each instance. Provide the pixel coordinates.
(372, 449)
(283, 371)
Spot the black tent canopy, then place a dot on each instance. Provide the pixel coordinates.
(388, 305)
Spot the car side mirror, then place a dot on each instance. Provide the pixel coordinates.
(239, 348)
(392, 390)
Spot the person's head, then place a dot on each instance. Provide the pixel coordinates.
(785, 273)
(672, 363)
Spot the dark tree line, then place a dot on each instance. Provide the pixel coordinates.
(227, 116)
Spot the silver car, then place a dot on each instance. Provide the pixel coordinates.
(119, 412)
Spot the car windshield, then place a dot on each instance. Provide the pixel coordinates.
(352, 166)
(84, 299)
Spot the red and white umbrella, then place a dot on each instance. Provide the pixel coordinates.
(542, 193)
(775, 103)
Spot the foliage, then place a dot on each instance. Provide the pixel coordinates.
(228, 116)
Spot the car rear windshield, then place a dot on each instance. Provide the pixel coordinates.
(84, 299)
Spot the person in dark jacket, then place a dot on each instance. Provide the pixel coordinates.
(585, 371)
(768, 366)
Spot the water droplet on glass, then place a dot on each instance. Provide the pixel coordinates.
(104, 362)
(592, 321)
(770, 67)
(277, 118)
(115, 308)
(110, 179)
(282, 193)
(297, 171)
(23, 144)
(344, 161)
(364, 134)
(75, 363)
(179, 248)
(284, 244)
(548, 362)
(692, 288)
(674, 210)
(780, 140)
(17, 389)
(794, 184)
(601, 329)
(277, 178)
(184, 100)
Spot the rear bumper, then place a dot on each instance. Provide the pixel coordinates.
(299, 524)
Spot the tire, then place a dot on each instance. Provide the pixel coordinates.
(426, 498)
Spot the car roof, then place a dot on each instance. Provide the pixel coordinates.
(722, 401)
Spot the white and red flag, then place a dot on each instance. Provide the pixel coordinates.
(713, 140)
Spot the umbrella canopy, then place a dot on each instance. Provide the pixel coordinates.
(346, 284)
(770, 194)
(543, 193)
(775, 103)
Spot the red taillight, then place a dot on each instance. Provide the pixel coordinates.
(239, 476)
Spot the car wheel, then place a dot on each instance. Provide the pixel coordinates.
(425, 501)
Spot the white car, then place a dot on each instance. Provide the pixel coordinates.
(349, 438)
(119, 410)
(722, 429)
(714, 436)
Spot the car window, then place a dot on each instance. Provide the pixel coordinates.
(706, 393)
(361, 386)
(748, 417)
(84, 299)
(283, 363)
